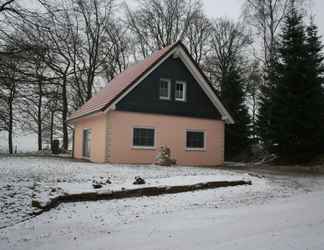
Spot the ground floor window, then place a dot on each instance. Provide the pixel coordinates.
(144, 137)
(87, 143)
(195, 140)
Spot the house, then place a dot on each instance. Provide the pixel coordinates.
(165, 100)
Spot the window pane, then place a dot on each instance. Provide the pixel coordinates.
(180, 91)
(179, 94)
(164, 89)
(143, 137)
(195, 139)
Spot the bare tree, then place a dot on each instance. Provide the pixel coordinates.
(54, 35)
(227, 43)
(53, 106)
(95, 18)
(227, 65)
(197, 37)
(11, 13)
(266, 17)
(158, 23)
(8, 6)
(119, 50)
(9, 78)
(254, 81)
(34, 91)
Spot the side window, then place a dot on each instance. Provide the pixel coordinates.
(144, 137)
(180, 91)
(195, 140)
(87, 143)
(165, 89)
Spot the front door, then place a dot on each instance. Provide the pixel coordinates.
(87, 143)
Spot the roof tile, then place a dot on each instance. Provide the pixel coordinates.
(119, 84)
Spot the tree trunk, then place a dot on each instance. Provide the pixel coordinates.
(39, 118)
(64, 116)
(52, 128)
(10, 129)
(73, 143)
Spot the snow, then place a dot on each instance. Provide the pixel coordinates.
(274, 226)
(276, 212)
(23, 179)
(72, 188)
(22, 142)
(277, 225)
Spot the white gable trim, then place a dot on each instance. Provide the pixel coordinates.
(179, 51)
(205, 86)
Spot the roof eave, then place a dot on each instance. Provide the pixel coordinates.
(73, 119)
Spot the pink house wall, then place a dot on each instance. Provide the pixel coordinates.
(97, 124)
(112, 138)
(169, 131)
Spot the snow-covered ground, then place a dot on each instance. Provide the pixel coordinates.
(22, 142)
(276, 212)
(23, 179)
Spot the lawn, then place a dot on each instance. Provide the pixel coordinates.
(23, 178)
(228, 218)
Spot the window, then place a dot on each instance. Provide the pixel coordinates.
(195, 140)
(180, 91)
(165, 89)
(143, 137)
(87, 143)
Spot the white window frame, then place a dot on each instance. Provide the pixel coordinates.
(184, 98)
(205, 140)
(83, 144)
(143, 147)
(169, 89)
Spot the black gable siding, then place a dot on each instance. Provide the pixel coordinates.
(145, 97)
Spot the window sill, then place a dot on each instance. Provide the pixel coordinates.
(196, 149)
(164, 99)
(143, 148)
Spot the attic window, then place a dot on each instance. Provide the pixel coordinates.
(180, 91)
(165, 89)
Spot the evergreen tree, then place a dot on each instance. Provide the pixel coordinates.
(315, 76)
(227, 68)
(232, 93)
(296, 98)
(263, 123)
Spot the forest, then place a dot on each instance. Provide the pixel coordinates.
(267, 67)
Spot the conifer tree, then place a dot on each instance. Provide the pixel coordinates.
(237, 135)
(294, 124)
(315, 76)
(226, 65)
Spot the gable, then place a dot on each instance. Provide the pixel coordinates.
(124, 83)
(145, 96)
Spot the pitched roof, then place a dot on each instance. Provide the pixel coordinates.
(119, 84)
(124, 82)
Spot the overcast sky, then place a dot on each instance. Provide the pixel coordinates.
(233, 8)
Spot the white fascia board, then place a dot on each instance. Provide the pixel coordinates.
(179, 52)
(205, 86)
